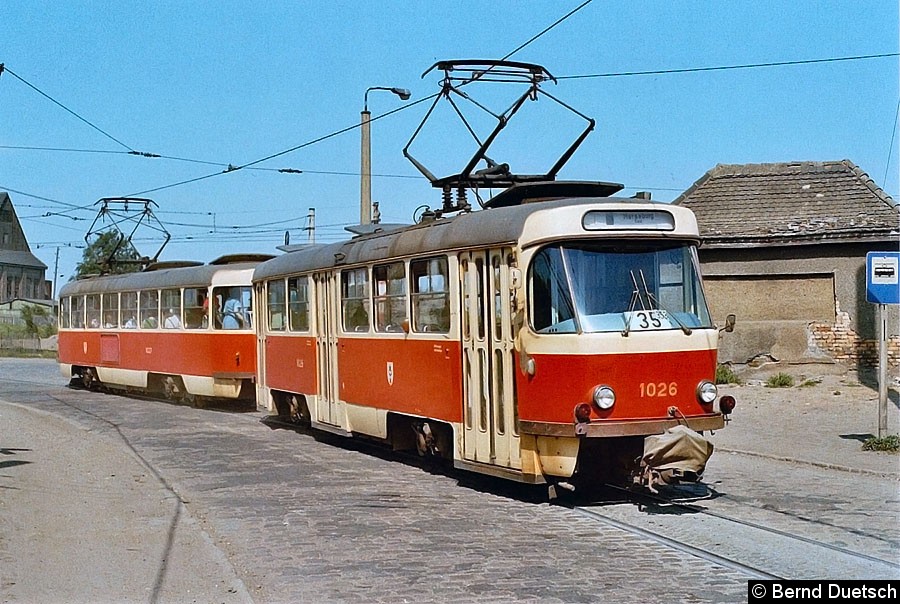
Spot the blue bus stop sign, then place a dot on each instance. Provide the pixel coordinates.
(883, 277)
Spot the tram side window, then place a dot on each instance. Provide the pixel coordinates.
(355, 299)
(196, 308)
(129, 310)
(233, 307)
(430, 295)
(64, 312)
(78, 312)
(92, 306)
(110, 310)
(149, 309)
(298, 302)
(390, 297)
(275, 302)
(171, 305)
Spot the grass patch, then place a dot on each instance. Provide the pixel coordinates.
(726, 375)
(890, 443)
(810, 383)
(22, 353)
(780, 380)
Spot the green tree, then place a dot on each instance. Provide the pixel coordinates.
(97, 255)
(39, 321)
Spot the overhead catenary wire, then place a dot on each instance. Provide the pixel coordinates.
(253, 165)
(887, 164)
(56, 201)
(546, 29)
(228, 167)
(622, 74)
(233, 168)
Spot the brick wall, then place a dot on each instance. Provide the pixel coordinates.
(844, 345)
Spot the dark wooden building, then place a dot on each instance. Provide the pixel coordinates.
(22, 275)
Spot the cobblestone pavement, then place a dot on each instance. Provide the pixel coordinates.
(303, 520)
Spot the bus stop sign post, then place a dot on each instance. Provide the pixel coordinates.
(882, 288)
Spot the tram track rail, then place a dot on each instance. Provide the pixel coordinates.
(696, 509)
(701, 553)
(775, 553)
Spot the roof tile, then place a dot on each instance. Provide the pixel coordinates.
(797, 200)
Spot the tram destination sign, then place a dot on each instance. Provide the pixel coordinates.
(883, 277)
(603, 220)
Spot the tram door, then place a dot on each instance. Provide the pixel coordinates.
(490, 416)
(326, 410)
(262, 326)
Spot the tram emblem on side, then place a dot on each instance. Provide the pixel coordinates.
(390, 373)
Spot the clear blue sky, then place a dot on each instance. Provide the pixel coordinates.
(231, 82)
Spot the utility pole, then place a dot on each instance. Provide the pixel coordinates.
(310, 227)
(55, 274)
(365, 168)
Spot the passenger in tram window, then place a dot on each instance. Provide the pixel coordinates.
(149, 309)
(216, 313)
(173, 321)
(233, 313)
(204, 322)
(356, 317)
(130, 323)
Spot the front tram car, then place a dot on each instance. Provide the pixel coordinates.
(541, 341)
(179, 329)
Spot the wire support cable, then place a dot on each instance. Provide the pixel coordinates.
(4, 69)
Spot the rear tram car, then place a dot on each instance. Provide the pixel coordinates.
(182, 330)
(540, 341)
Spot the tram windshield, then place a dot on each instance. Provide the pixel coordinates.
(621, 286)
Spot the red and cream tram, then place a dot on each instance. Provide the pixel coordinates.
(184, 330)
(541, 342)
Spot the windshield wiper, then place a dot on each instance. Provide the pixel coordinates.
(635, 297)
(687, 330)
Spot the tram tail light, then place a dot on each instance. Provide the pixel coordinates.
(726, 404)
(583, 413)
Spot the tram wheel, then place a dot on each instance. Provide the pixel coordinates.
(89, 378)
(299, 411)
(170, 388)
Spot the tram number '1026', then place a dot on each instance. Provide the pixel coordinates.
(658, 389)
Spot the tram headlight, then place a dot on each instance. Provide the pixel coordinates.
(706, 392)
(604, 397)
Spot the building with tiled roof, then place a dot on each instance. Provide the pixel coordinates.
(21, 273)
(784, 248)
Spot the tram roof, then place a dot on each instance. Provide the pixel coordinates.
(191, 276)
(483, 228)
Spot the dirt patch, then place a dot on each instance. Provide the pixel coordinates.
(823, 418)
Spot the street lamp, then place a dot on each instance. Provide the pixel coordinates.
(365, 187)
